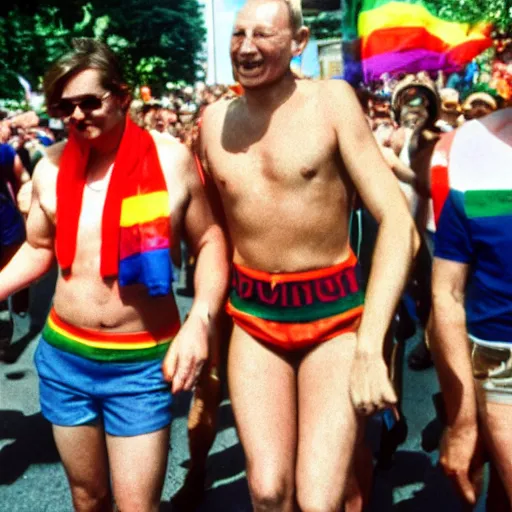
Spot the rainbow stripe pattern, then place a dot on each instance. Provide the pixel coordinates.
(295, 310)
(144, 242)
(107, 347)
(405, 36)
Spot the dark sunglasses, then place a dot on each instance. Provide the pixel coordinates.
(87, 104)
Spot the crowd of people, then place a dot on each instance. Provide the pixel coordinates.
(325, 221)
(178, 112)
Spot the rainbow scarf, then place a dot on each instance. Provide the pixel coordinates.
(135, 230)
(404, 36)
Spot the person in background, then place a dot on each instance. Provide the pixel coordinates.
(471, 335)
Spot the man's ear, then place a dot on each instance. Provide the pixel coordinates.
(300, 41)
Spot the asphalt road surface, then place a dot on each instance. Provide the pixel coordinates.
(33, 480)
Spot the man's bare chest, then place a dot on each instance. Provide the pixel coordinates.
(285, 161)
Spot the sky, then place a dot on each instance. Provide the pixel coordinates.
(219, 19)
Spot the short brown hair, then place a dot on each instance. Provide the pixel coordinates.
(87, 53)
(294, 11)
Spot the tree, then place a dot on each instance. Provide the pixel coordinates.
(324, 25)
(161, 41)
(498, 12)
(158, 42)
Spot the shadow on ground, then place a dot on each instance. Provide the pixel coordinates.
(33, 443)
(410, 468)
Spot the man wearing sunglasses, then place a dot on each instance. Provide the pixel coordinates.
(110, 204)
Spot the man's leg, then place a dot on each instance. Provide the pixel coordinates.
(496, 419)
(360, 477)
(497, 499)
(262, 387)
(202, 418)
(84, 455)
(327, 425)
(202, 429)
(138, 465)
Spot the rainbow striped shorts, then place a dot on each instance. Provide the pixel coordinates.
(297, 310)
(88, 376)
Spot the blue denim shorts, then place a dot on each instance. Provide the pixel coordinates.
(130, 398)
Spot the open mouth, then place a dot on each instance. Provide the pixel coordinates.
(248, 67)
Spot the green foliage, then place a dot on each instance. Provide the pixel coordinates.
(499, 12)
(325, 25)
(158, 42)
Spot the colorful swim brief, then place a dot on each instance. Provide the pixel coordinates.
(108, 346)
(296, 310)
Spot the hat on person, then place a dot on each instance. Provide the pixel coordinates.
(450, 99)
(485, 95)
(423, 85)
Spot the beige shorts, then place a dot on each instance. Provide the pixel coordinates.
(492, 371)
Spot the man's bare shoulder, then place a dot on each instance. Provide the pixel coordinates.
(53, 154)
(338, 90)
(48, 167)
(169, 149)
(215, 113)
(175, 158)
(164, 140)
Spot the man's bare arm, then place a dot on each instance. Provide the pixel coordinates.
(397, 243)
(449, 343)
(451, 353)
(35, 256)
(208, 243)
(205, 238)
(403, 172)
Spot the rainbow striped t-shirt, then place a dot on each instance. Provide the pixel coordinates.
(475, 227)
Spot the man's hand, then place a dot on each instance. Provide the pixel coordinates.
(370, 387)
(461, 457)
(24, 197)
(188, 353)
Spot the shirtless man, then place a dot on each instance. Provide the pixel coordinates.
(287, 158)
(101, 203)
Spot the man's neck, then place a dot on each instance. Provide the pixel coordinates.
(272, 96)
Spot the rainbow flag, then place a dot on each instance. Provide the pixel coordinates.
(405, 36)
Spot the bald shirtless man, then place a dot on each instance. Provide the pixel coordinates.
(287, 159)
(108, 204)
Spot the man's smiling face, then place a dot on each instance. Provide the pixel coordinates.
(261, 44)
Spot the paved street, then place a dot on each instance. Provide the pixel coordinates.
(32, 479)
